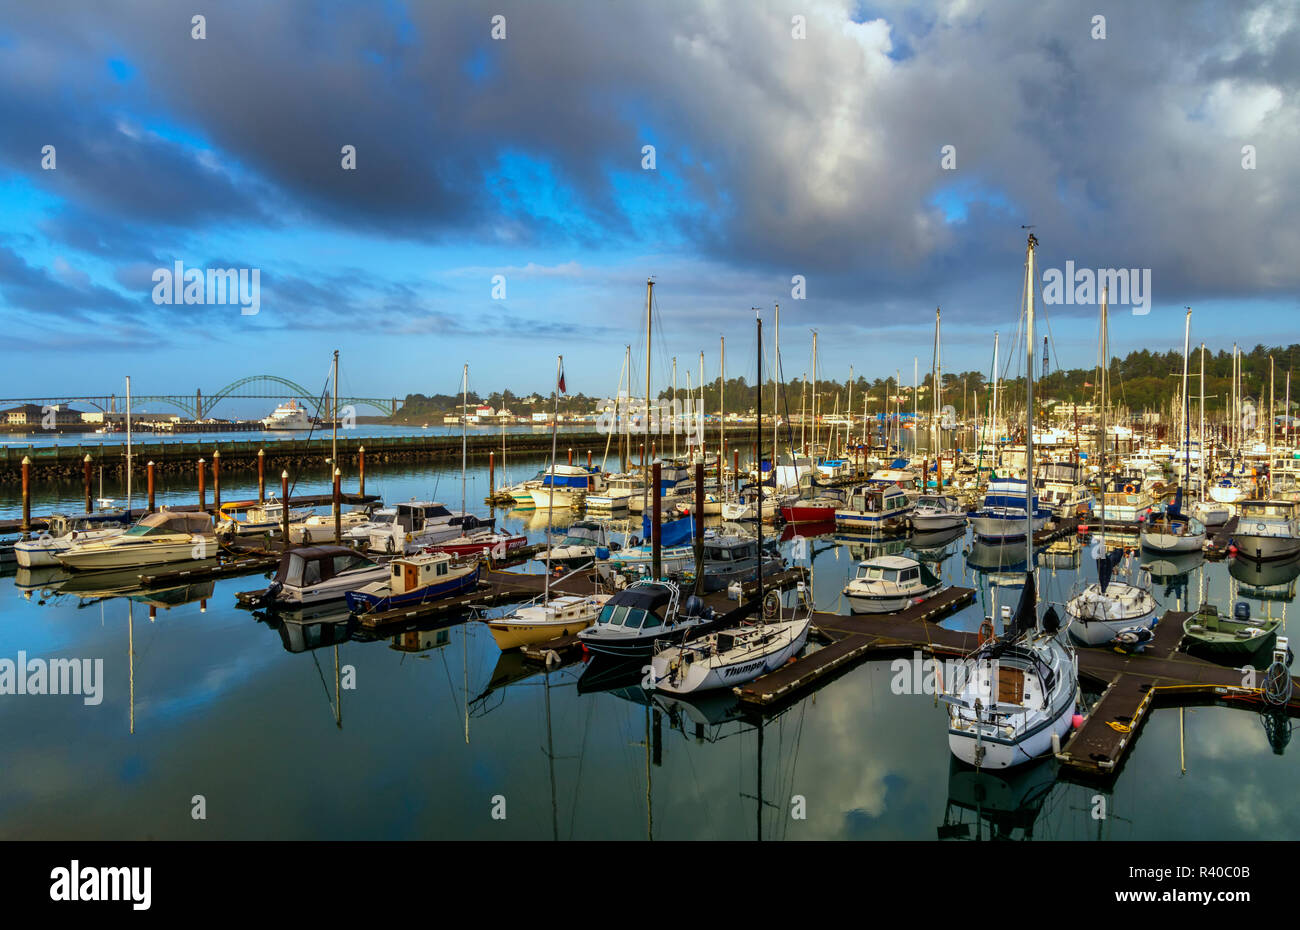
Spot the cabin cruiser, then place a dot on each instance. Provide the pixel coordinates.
(360, 533)
(937, 512)
(417, 524)
(415, 579)
(618, 491)
(674, 487)
(1129, 499)
(1002, 516)
(1230, 490)
(1211, 512)
(1268, 529)
(875, 508)
(315, 574)
(158, 538)
(565, 486)
(729, 558)
(890, 583)
(62, 532)
(245, 518)
(633, 619)
(1062, 489)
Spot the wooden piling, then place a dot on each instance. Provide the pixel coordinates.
(284, 506)
(27, 497)
(148, 471)
(361, 470)
(216, 479)
(85, 468)
(492, 475)
(570, 456)
(261, 476)
(698, 516)
(202, 492)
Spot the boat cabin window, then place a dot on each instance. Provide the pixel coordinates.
(870, 572)
(348, 561)
(614, 614)
(436, 511)
(909, 574)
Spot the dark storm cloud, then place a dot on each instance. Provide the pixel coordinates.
(817, 156)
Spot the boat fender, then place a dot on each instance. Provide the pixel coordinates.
(391, 547)
(986, 632)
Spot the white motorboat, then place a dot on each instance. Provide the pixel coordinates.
(319, 527)
(314, 575)
(243, 518)
(1003, 514)
(417, 524)
(1211, 512)
(63, 532)
(165, 536)
(935, 512)
(565, 486)
(618, 491)
(1105, 608)
(1229, 490)
(890, 583)
(1173, 532)
(1268, 529)
(875, 508)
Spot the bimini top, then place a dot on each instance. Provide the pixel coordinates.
(647, 596)
(172, 521)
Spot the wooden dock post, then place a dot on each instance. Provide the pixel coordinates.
(735, 471)
(148, 471)
(361, 470)
(27, 497)
(588, 460)
(570, 456)
(216, 479)
(202, 486)
(492, 475)
(338, 510)
(261, 476)
(85, 470)
(656, 535)
(284, 506)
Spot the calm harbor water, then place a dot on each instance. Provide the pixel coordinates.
(440, 730)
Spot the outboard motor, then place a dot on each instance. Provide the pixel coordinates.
(268, 596)
(1241, 611)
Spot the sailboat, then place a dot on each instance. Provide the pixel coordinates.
(1106, 608)
(551, 617)
(735, 653)
(1016, 693)
(1174, 531)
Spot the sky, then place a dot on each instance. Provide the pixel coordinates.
(859, 164)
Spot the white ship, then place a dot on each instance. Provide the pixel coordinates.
(288, 416)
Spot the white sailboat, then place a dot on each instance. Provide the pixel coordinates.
(1106, 608)
(1017, 692)
(1173, 531)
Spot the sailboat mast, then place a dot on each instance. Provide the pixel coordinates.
(814, 399)
(550, 497)
(464, 439)
(674, 410)
(128, 449)
(1029, 406)
(776, 403)
(645, 468)
(1105, 367)
(722, 410)
(1200, 434)
(1187, 405)
(334, 419)
(759, 320)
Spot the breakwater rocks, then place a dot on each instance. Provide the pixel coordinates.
(68, 461)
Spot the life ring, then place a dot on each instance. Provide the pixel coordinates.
(1261, 527)
(986, 632)
(1129, 489)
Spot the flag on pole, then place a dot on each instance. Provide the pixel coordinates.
(561, 381)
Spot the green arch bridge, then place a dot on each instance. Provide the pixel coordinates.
(201, 404)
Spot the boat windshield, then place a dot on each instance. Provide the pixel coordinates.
(870, 573)
(630, 618)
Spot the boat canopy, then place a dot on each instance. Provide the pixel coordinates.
(172, 521)
(312, 565)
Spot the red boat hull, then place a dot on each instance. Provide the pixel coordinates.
(801, 513)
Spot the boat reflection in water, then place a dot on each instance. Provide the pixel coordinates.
(990, 557)
(937, 546)
(1266, 581)
(1173, 571)
(312, 627)
(1001, 805)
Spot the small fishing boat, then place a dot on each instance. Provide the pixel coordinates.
(1234, 640)
(1003, 514)
(1172, 531)
(319, 527)
(497, 545)
(889, 583)
(734, 557)
(539, 622)
(248, 518)
(416, 579)
(1211, 512)
(582, 544)
(875, 508)
(727, 657)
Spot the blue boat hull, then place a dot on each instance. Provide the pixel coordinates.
(359, 601)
